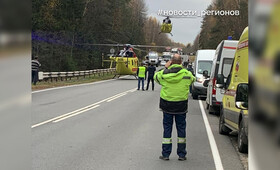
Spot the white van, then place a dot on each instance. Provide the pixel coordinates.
(153, 58)
(221, 65)
(203, 62)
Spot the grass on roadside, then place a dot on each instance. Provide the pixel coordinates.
(44, 85)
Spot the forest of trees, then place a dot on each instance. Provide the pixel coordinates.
(62, 31)
(216, 28)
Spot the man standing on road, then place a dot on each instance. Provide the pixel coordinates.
(189, 68)
(151, 72)
(141, 73)
(175, 82)
(35, 69)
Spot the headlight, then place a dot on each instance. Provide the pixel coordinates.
(200, 80)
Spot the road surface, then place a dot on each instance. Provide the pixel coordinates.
(111, 125)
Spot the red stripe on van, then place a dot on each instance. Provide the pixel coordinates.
(233, 48)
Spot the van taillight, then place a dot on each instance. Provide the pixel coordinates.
(214, 87)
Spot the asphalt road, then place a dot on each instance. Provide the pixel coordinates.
(111, 125)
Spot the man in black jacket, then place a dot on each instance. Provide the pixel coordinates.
(151, 72)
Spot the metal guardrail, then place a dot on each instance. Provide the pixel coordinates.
(74, 74)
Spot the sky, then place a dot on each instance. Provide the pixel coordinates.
(184, 29)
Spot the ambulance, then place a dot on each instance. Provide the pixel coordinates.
(234, 108)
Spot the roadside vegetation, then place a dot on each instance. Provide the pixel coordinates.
(216, 28)
(63, 31)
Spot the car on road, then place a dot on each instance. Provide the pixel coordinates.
(221, 65)
(234, 108)
(162, 63)
(203, 62)
(166, 56)
(153, 58)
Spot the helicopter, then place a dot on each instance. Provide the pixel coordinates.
(126, 60)
(166, 26)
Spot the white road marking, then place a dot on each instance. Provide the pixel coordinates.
(89, 107)
(117, 97)
(133, 90)
(75, 114)
(213, 145)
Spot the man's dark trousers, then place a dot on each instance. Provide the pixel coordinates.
(140, 80)
(180, 120)
(153, 83)
(34, 77)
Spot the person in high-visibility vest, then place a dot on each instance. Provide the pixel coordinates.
(175, 82)
(141, 73)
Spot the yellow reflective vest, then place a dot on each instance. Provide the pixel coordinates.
(142, 72)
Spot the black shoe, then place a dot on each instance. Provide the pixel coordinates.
(146, 89)
(143, 90)
(164, 158)
(182, 158)
(137, 89)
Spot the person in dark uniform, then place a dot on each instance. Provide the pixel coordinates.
(151, 72)
(190, 68)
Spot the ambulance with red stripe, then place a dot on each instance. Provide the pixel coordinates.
(221, 65)
(234, 108)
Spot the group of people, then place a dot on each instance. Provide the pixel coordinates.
(175, 81)
(126, 52)
(142, 75)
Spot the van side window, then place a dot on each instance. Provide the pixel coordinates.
(226, 67)
(228, 81)
(229, 76)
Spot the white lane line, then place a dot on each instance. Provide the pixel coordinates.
(132, 90)
(213, 145)
(75, 114)
(78, 110)
(116, 97)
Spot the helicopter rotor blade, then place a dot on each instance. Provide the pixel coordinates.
(122, 45)
(107, 45)
(136, 47)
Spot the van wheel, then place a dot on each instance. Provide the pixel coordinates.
(242, 146)
(222, 127)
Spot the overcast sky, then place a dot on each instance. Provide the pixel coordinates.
(184, 29)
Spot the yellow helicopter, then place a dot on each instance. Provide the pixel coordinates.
(126, 60)
(166, 26)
